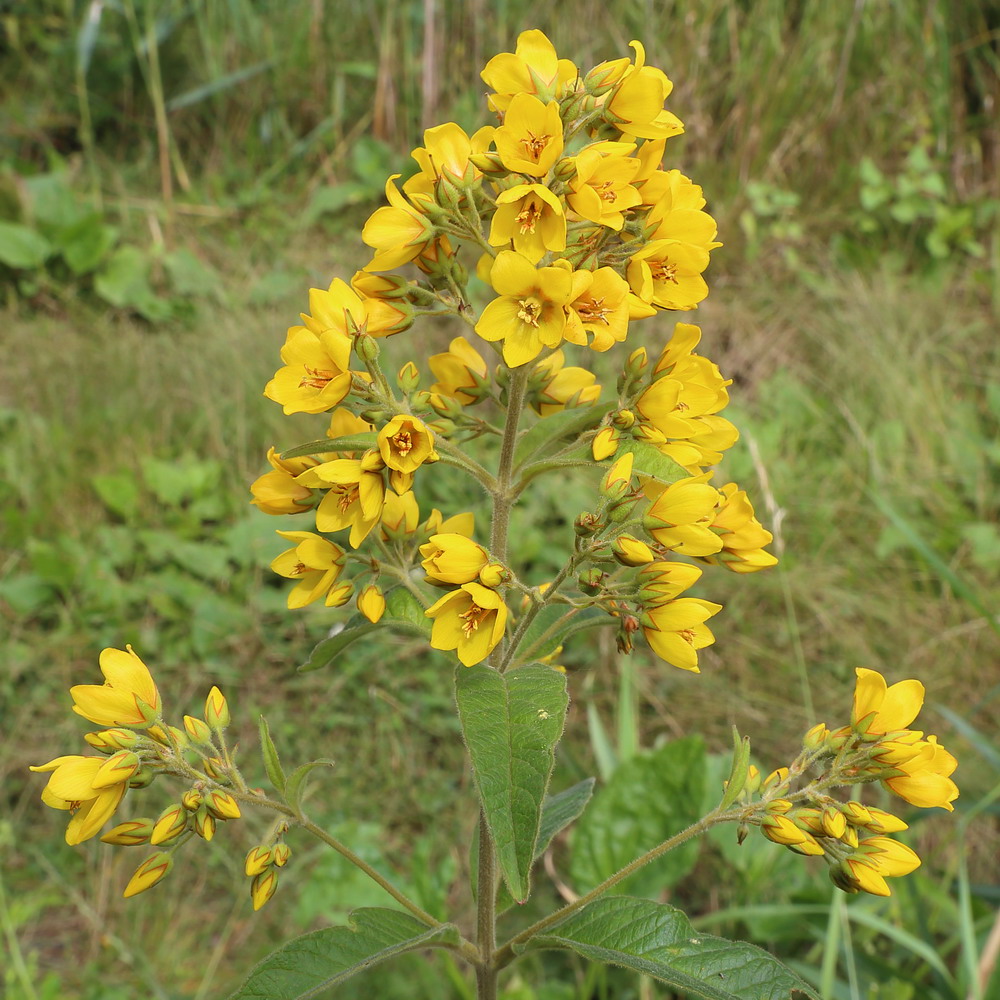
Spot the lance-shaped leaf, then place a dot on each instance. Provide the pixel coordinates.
(324, 446)
(658, 940)
(511, 723)
(315, 962)
(541, 439)
(403, 613)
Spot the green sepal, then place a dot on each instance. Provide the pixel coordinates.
(511, 723)
(739, 771)
(352, 442)
(269, 752)
(548, 431)
(314, 963)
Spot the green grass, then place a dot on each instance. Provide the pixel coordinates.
(867, 388)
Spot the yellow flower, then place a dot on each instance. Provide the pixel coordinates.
(742, 535)
(128, 696)
(399, 231)
(676, 630)
(877, 859)
(660, 582)
(925, 781)
(667, 273)
(277, 492)
(631, 551)
(554, 388)
(680, 518)
(599, 307)
(262, 887)
(400, 515)
(531, 137)
(532, 216)
(452, 559)
(354, 499)
(314, 562)
(529, 313)
(879, 708)
(154, 869)
(75, 785)
(446, 153)
(471, 621)
(605, 443)
(317, 374)
(371, 603)
(636, 103)
(533, 68)
(461, 372)
(601, 189)
(405, 443)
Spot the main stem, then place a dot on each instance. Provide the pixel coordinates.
(503, 500)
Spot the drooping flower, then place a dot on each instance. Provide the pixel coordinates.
(128, 696)
(471, 621)
(676, 630)
(452, 560)
(461, 372)
(879, 708)
(84, 786)
(354, 499)
(926, 781)
(399, 231)
(277, 492)
(314, 562)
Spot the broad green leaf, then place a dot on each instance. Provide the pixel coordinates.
(86, 243)
(294, 783)
(657, 940)
(558, 811)
(22, 247)
(123, 281)
(119, 492)
(539, 440)
(650, 463)
(648, 799)
(511, 723)
(403, 612)
(315, 962)
(353, 442)
(272, 765)
(545, 634)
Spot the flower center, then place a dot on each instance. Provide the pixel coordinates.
(403, 442)
(663, 270)
(349, 494)
(528, 216)
(593, 311)
(687, 634)
(473, 617)
(534, 145)
(606, 191)
(529, 310)
(316, 378)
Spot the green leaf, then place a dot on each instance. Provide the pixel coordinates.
(86, 243)
(511, 723)
(657, 940)
(403, 612)
(539, 440)
(272, 765)
(123, 282)
(325, 958)
(22, 247)
(119, 491)
(649, 462)
(353, 442)
(539, 641)
(648, 799)
(333, 199)
(739, 771)
(295, 782)
(218, 85)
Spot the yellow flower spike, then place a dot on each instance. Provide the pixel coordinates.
(371, 603)
(533, 68)
(70, 787)
(277, 492)
(532, 218)
(258, 860)
(451, 559)
(461, 372)
(282, 852)
(154, 869)
(131, 833)
(605, 443)
(118, 768)
(222, 805)
(529, 313)
(128, 696)
(171, 824)
(354, 499)
(471, 621)
(405, 443)
(262, 887)
(676, 631)
(926, 780)
(216, 709)
(197, 730)
(531, 137)
(879, 708)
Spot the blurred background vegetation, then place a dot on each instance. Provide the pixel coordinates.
(175, 174)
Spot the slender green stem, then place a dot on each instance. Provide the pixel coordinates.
(486, 918)
(506, 954)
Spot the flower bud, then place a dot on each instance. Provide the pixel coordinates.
(130, 833)
(605, 443)
(372, 461)
(168, 737)
(630, 551)
(775, 778)
(366, 348)
(340, 595)
(623, 419)
(810, 847)
(371, 604)
(213, 767)
(258, 859)
(781, 830)
(565, 169)
(262, 887)
(816, 736)
(198, 731)
(191, 799)
(778, 806)
(834, 822)
(408, 378)
(222, 804)
(171, 824)
(204, 824)
(494, 574)
(591, 581)
(117, 769)
(281, 853)
(110, 740)
(151, 871)
(143, 778)
(489, 163)
(587, 524)
(216, 710)
(617, 480)
(753, 781)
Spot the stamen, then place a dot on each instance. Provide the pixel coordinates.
(529, 311)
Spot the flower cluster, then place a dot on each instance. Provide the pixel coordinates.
(137, 748)
(876, 746)
(565, 210)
